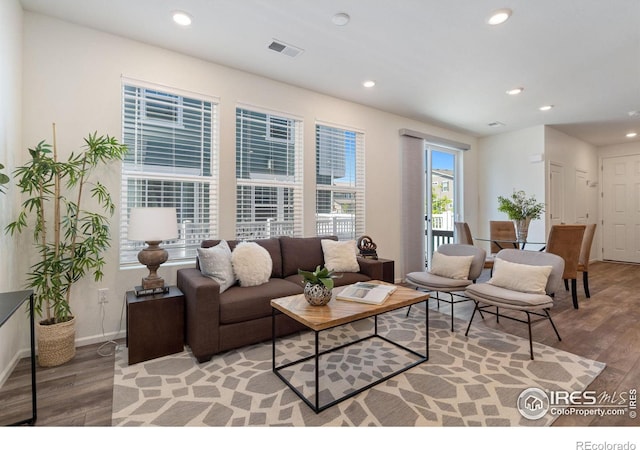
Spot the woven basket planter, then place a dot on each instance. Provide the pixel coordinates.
(56, 343)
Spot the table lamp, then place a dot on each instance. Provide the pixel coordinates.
(152, 225)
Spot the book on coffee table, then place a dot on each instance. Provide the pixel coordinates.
(364, 292)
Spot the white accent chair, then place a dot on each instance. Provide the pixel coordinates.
(526, 293)
(431, 282)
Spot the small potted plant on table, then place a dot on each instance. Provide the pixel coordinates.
(318, 285)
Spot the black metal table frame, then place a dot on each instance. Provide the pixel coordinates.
(316, 356)
(34, 409)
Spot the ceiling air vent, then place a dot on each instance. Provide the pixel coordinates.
(285, 49)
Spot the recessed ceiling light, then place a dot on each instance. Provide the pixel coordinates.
(341, 19)
(515, 91)
(369, 83)
(182, 18)
(546, 107)
(499, 16)
(632, 134)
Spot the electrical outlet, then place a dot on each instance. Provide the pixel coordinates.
(102, 296)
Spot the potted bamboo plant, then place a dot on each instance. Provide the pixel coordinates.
(68, 237)
(4, 179)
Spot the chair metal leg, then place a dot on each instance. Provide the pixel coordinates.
(466, 333)
(408, 311)
(530, 340)
(552, 324)
(566, 284)
(574, 293)
(585, 282)
(451, 294)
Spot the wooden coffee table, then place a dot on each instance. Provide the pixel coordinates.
(337, 313)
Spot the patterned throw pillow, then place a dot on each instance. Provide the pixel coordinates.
(215, 263)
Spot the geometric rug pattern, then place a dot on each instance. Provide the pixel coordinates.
(467, 381)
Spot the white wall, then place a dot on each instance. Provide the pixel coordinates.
(627, 149)
(573, 154)
(72, 76)
(504, 167)
(14, 333)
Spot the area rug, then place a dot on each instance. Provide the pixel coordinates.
(467, 381)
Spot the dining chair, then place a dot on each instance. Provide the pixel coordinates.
(585, 255)
(453, 267)
(463, 236)
(566, 241)
(524, 282)
(462, 233)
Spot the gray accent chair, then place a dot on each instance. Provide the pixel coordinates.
(455, 288)
(486, 295)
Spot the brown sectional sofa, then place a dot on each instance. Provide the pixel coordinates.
(241, 316)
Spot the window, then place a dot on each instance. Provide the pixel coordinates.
(171, 162)
(340, 182)
(268, 174)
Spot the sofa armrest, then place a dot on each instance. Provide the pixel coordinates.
(202, 312)
(371, 267)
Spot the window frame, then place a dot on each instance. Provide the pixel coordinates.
(174, 180)
(286, 185)
(357, 190)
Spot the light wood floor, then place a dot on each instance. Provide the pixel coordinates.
(605, 328)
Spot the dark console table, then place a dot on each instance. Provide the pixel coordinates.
(10, 302)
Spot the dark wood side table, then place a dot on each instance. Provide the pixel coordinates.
(388, 270)
(9, 303)
(155, 325)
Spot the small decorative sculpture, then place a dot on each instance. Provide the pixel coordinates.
(367, 247)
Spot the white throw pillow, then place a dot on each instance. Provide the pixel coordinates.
(455, 267)
(340, 256)
(520, 277)
(215, 263)
(252, 264)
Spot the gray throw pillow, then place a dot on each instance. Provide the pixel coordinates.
(215, 263)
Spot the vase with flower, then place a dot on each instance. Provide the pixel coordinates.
(521, 209)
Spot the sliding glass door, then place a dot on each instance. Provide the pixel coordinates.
(441, 197)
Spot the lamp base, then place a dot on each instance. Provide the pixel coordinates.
(152, 283)
(152, 257)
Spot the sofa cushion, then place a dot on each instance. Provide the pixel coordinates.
(215, 263)
(251, 264)
(340, 256)
(301, 253)
(272, 245)
(239, 304)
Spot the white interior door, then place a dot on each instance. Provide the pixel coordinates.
(556, 193)
(582, 196)
(621, 208)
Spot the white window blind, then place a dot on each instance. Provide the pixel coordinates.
(268, 175)
(340, 182)
(171, 162)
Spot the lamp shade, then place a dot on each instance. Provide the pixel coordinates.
(152, 224)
